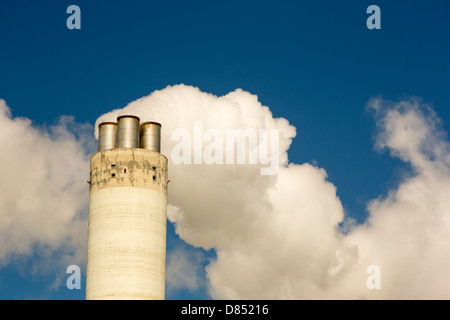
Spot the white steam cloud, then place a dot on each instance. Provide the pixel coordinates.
(43, 190)
(184, 270)
(407, 233)
(278, 237)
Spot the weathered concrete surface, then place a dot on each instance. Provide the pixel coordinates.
(127, 225)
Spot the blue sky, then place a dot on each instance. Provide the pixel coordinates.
(314, 63)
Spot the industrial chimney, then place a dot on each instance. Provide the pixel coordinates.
(127, 213)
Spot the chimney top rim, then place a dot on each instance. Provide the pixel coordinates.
(128, 116)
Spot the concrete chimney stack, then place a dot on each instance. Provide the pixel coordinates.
(127, 213)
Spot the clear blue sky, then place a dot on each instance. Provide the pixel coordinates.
(312, 62)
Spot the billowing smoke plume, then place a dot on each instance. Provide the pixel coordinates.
(44, 195)
(407, 233)
(275, 236)
(211, 205)
(278, 236)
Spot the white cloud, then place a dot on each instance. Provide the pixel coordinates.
(292, 247)
(214, 199)
(278, 237)
(43, 188)
(407, 231)
(184, 270)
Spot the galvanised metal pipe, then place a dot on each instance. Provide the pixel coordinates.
(150, 136)
(127, 132)
(107, 133)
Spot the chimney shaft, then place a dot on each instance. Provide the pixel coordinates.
(126, 252)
